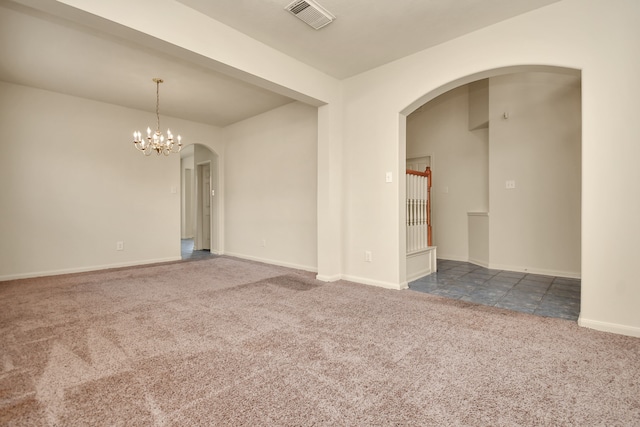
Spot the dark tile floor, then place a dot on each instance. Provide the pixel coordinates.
(189, 254)
(530, 293)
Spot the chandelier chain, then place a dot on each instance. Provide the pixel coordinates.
(158, 81)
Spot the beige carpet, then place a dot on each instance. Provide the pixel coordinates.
(228, 342)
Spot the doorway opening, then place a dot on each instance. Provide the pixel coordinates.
(507, 231)
(202, 241)
(200, 217)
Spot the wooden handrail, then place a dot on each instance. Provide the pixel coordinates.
(426, 173)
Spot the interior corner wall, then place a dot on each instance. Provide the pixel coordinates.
(536, 225)
(460, 161)
(74, 185)
(271, 187)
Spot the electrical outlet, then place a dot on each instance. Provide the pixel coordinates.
(367, 256)
(510, 185)
(263, 243)
(119, 246)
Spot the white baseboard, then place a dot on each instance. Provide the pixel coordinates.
(273, 262)
(453, 258)
(325, 278)
(419, 275)
(479, 262)
(520, 269)
(380, 284)
(86, 269)
(615, 328)
(541, 271)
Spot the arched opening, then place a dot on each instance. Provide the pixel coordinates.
(505, 153)
(200, 207)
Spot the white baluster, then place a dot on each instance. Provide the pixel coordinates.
(423, 212)
(408, 213)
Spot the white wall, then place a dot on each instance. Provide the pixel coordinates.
(536, 226)
(460, 167)
(271, 187)
(74, 185)
(597, 37)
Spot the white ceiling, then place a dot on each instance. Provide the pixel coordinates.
(53, 53)
(50, 53)
(366, 33)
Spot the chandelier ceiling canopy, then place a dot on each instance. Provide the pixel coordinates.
(156, 141)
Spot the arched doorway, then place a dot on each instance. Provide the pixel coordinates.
(506, 194)
(200, 207)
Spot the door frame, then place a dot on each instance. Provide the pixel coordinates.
(198, 238)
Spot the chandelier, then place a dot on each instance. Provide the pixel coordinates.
(156, 141)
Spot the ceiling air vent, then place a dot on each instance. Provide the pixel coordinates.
(311, 13)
